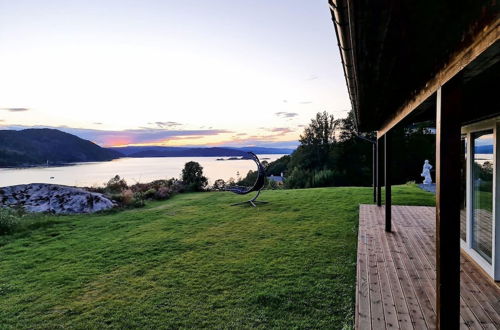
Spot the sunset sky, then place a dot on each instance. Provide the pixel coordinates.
(169, 72)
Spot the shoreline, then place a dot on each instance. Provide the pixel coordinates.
(53, 165)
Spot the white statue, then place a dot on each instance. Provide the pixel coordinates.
(426, 172)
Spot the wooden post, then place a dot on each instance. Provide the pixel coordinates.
(374, 171)
(448, 114)
(388, 199)
(380, 168)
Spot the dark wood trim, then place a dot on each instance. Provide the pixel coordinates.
(448, 114)
(380, 170)
(387, 170)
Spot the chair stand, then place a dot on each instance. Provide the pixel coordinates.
(252, 201)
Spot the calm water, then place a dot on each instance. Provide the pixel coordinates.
(132, 169)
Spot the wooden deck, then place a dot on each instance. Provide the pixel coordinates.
(396, 276)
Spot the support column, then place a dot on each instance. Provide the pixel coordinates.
(374, 171)
(380, 170)
(448, 114)
(388, 198)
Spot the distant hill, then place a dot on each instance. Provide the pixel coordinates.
(486, 149)
(37, 146)
(127, 151)
(157, 151)
(264, 150)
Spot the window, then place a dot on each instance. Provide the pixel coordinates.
(482, 192)
(463, 189)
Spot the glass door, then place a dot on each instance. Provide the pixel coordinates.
(482, 192)
(463, 188)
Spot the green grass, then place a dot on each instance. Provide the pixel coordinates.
(192, 261)
(484, 200)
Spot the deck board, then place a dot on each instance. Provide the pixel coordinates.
(395, 286)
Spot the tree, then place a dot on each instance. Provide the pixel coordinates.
(315, 142)
(219, 184)
(278, 166)
(192, 177)
(346, 129)
(321, 130)
(347, 159)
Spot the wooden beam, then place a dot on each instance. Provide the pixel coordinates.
(380, 171)
(487, 37)
(388, 198)
(448, 114)
(374, 171)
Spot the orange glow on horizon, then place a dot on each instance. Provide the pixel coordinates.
(208, 141)
(118, 142)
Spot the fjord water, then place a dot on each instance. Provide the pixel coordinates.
(132, 169)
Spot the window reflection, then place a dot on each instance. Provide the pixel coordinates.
(463, 189)
(482, 193)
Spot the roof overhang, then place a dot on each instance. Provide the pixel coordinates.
(396, 54)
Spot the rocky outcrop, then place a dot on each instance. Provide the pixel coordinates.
(56, 199)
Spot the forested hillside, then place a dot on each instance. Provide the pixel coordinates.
(39, 146)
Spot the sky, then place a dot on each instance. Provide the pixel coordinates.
(170, 72)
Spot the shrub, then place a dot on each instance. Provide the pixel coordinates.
(272, 185)
(298, 178)
(116, 185)
(230, 183)
(485, 185)
(127, 197)
(176, 186)
(139, 199)
(9, 220)
(137, 194)
(249, 179)
(100, 190)
(219, 184)
(162, 193)
(150, 194)
(324, 178)
(158, 189)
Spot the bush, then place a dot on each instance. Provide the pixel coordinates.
(127, 197)
(158, 189)
(176, 186)
(116, 185)
(137, 194)
(219, 185)
(9, 220)
(15, 220)
(324, 178)
(298, 178)
(150, 193)
(162, 193)
(139, 199)
(249, 180)
(486, 186)
(273, 185)
(230, 182)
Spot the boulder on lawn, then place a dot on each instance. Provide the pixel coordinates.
(51, 198)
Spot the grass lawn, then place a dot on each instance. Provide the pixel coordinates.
(192, 261)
